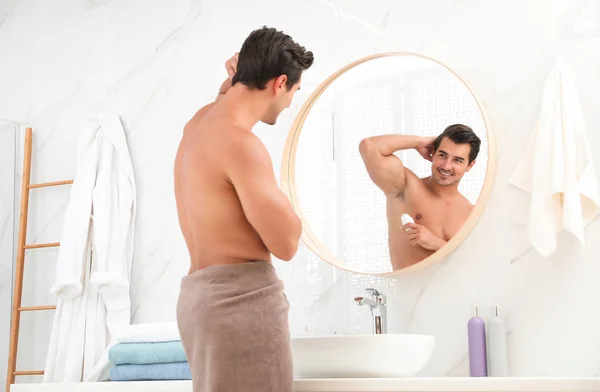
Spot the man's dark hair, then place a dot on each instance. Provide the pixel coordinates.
(267, 54)
(460, 134)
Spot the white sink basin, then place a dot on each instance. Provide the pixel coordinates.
(361, 356)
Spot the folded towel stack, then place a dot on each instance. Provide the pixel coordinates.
(150, 351)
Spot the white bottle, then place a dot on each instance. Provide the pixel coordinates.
(497, 347)
(406, 219)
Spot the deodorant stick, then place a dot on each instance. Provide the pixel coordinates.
(406, 219)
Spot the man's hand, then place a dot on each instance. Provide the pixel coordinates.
(425, 147)
(420, 235)
(231, 65)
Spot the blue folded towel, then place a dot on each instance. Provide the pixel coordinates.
(154, 372)
(146, 353)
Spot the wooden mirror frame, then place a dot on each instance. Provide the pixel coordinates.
(288, 178)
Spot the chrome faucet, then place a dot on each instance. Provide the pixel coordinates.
(378, 309)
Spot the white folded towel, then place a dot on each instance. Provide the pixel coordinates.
(149, 332)
(557, 168)
(154, 332)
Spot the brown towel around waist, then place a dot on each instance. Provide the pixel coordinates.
(233, 321)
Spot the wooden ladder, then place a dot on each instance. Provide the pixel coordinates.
(20, 264)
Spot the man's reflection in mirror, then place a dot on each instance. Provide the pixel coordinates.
(434, 202)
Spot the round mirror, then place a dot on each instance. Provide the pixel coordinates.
(389, 164)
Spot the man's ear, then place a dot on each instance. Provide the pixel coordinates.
(280, 82)
(471, 164)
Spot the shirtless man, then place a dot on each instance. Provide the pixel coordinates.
(437, 207)
(233, 217)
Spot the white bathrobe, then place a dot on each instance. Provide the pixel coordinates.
(95, 255)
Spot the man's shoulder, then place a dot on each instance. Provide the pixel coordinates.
(467, 203)
(245, 147)
(197, 121)
(241, 138)
(416, 183)
(463, 204)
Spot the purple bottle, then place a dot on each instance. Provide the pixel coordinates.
(477, 348)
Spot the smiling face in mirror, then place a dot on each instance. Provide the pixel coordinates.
(388, 161)
(454, 154)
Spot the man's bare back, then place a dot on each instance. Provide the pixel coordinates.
(212, 219)
(229, 205)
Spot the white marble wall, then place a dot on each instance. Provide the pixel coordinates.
(155, 62)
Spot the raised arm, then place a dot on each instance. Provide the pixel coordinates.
(385, 169)
(266, 207)
(231, 67)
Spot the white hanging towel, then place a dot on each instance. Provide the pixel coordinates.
(557, 168)
(94, 260)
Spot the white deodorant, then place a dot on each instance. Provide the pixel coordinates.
(406, 219)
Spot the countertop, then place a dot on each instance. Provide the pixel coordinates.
(443, 384)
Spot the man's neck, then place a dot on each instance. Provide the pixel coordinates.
(246, 106)
(444, 192)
